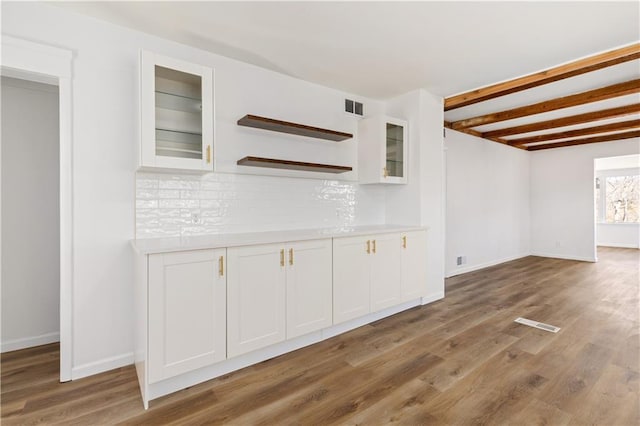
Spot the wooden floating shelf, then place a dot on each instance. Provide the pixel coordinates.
(292, 128)
(292, 165)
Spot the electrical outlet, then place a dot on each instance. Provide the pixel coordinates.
(195, 218)
(461, 260)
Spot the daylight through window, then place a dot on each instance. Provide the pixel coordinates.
(622, 199)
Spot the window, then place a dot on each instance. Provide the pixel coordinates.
(618, 199)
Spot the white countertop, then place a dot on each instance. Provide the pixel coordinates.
(166, 245)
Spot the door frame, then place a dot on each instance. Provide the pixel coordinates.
(52, 65)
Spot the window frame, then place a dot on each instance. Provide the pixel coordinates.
(601, 203)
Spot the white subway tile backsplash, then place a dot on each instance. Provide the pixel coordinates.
(171, 205)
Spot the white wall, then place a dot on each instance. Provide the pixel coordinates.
(618, 235)
(562, 198)
(421, 201)
(487, 202)
(105, 138)
(30, 215)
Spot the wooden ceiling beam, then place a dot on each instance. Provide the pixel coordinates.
(596, 95)
(584, 141)
(565, 121)
(571, 69)
(611, 127)
(472, 132)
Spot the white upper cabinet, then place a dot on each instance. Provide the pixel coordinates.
(382, 150)
(176, 114)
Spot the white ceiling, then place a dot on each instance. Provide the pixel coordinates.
(383, 49)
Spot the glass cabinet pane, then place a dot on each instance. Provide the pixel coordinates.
(395, 150)
(178, 117)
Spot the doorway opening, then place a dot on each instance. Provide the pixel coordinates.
(39, 63)
(617, 201)
(30, 214)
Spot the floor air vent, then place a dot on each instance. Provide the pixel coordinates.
(536, 324)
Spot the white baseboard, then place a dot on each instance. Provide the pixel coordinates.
(29, 342)
(618, 245)
(173, 384)
(432, 297)
(564, 256)
(472, 268)
(101, 366)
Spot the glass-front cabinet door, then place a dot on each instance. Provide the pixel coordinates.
(395, 150)
(176, 114)
(382, 150)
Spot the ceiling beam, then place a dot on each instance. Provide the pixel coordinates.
(605, 128)
(584, 141)
(571, 69)
(472, 132)
(601, 94)
(565, 121)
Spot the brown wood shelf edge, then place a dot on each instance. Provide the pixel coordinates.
(292, 128)
(292, 165)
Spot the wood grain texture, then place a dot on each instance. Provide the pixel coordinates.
(584, 141)
(564, 121)
(292, 128)
(594, 130)
(595, 95)
(571, 69)
(461, 360)
(273, 163)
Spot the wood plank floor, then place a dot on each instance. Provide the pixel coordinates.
(461, 360)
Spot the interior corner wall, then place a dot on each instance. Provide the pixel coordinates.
(487, 219)
(562, 198)
(421, 201)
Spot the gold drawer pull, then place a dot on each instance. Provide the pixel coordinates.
(404, 241)
(374, 246)
(291, 256)
(368, 247)
(221, 266)
(208, 154)
(282, 257)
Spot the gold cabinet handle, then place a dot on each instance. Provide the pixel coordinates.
(291, 256)
(208, 154)
(221, 266)
(374, 246)
(404, 241)
(368, 246)
(282, 257)
(385, 172)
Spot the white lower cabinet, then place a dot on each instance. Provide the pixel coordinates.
(277, 291)
(256, 297)
(187, 311)
(308, 287)
(375, 272)
(414, 265)
(366, 275)
(351, 277)
(199, 310)
(385, 271)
